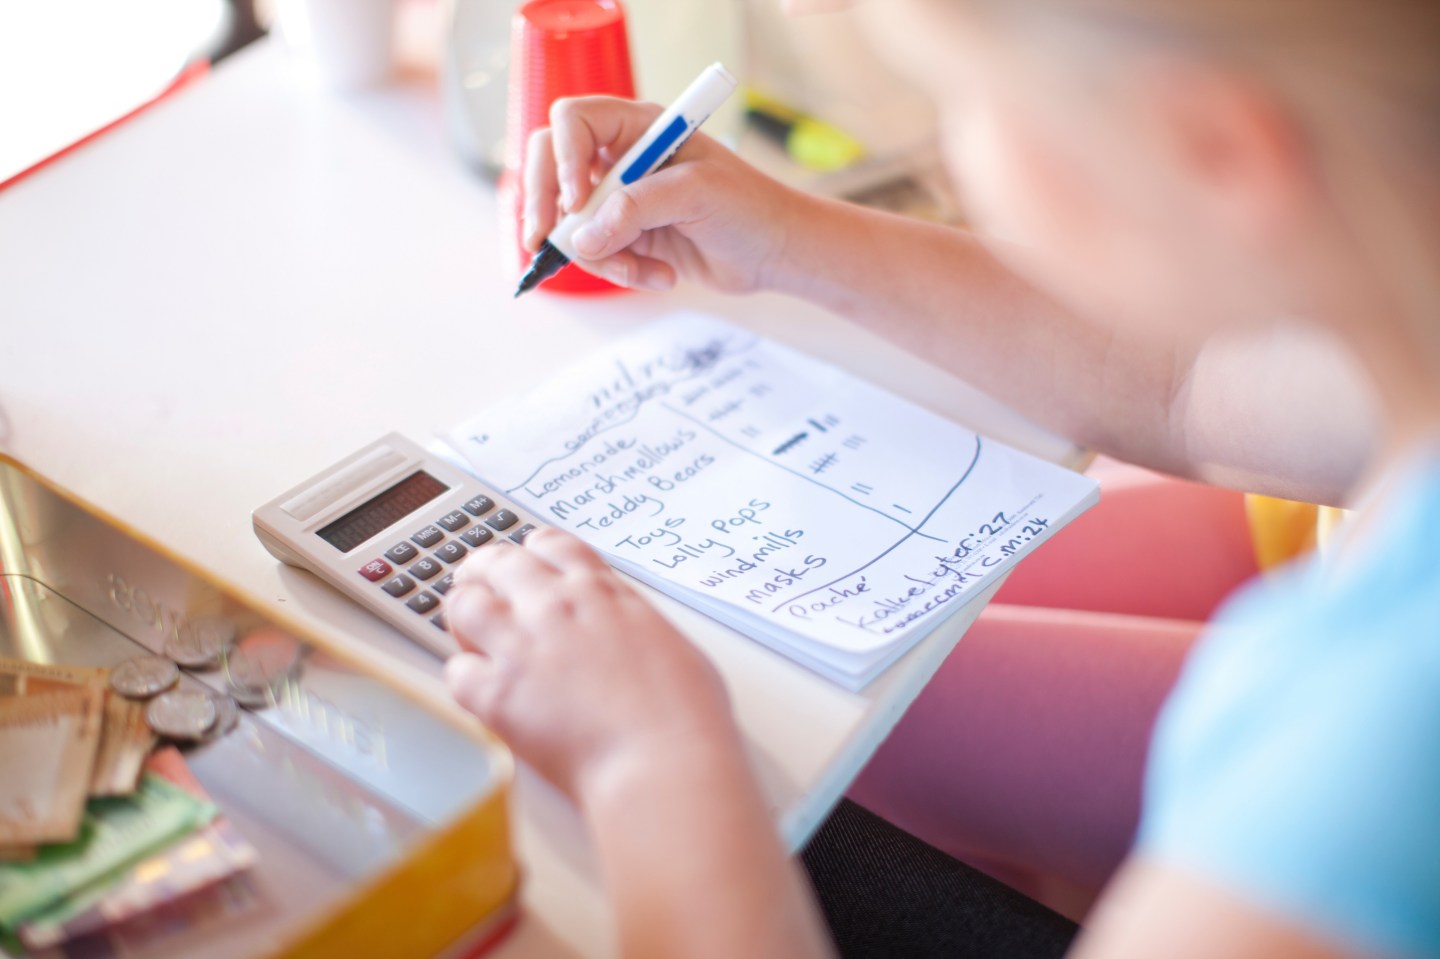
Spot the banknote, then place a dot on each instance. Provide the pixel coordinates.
(115, 832)
(18, 853)
(125, 742)
(21, 677)
(208, 856)
(125, 737)
(48, 743)
(185, 927)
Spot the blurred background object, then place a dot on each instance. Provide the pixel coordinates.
(837, 120)
(826, 67)
(349, 45)
(809, 141)
(559, 48)
(69, 68)
(474, 77)
(672, 40)
(669, 41)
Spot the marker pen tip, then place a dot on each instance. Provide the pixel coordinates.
(547, 262)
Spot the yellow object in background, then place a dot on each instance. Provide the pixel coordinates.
(1282, 530)
(813, 144)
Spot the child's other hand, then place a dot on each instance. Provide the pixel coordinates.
(707, 215)
(573, 669)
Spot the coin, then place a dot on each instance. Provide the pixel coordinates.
(144, 676)
(227, 714)
(199, 645)
(251, 697)
(259, 665)
(181, 714)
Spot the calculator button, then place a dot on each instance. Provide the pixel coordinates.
(454, 520)
(423, 602)
(400, 585)
(451, 552)
(424, 568)
(479, 506)
(401, 553)
(477, 536)
(444, 584)
(519, 535)
(376, 570)
(503, 520)
(428, 536)
(439, 621)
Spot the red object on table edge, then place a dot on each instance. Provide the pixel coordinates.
(559, 48)
(192, 72)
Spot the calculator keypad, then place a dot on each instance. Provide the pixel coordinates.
(504, 519)
(424, 568)
(376, 570)
(454, 521)
(424, 602)
(451, 552)
(401, 553)
(430, 570)
(479, 506)
(476, 536)
(399, 586)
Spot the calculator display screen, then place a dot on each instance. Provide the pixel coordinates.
(378, 512)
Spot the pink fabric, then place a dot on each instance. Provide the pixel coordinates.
(1155, 546)
(1025, 753)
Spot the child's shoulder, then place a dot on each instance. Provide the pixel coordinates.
(1299, 756)
(1373, 598)
(1348, 639)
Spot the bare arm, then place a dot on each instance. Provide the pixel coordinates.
(1279, 414)
(690, 857)
(1151, 909)
(599, 694)
(1284, 414)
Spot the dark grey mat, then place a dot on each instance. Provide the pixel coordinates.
(887, 894)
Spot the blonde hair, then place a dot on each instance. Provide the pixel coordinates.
(1363, 80)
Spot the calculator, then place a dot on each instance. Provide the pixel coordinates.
(387, 526)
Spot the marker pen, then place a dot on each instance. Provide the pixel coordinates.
(656, 145)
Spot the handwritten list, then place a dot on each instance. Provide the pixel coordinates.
(820, 515)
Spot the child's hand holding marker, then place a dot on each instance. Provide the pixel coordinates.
(707, 215)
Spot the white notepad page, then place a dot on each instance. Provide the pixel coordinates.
(830, 520)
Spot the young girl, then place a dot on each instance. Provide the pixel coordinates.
(1156, 186)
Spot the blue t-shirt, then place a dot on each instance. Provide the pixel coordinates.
(1297, 763)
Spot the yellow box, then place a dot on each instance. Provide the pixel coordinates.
(380, 818)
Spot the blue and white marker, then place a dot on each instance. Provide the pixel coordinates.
(672, 128)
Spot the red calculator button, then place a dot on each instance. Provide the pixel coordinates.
(376, 570)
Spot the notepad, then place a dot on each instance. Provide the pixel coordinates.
(811, 511)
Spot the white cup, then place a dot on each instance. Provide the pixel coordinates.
(350, 43)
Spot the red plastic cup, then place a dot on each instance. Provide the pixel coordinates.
(559, 48)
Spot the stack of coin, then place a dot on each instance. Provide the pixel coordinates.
(143, 677)
(96, 729)
(192, 715)
(201, 644)
(183, 715)
(259, 665)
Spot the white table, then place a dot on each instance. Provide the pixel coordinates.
(255, 278)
